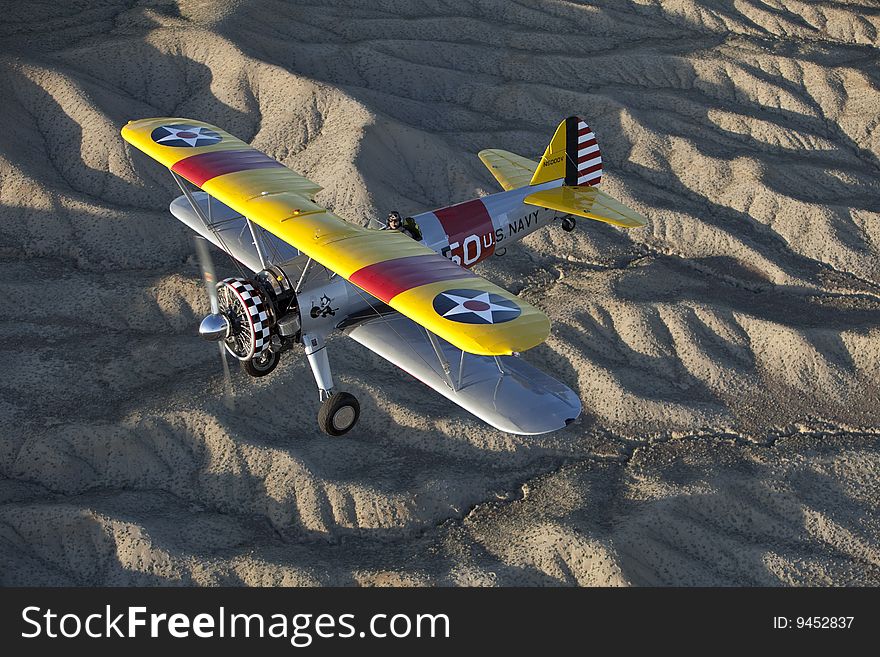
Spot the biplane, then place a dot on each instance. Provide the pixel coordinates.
(307, 274)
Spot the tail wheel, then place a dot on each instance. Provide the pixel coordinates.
(568, 223)
(261, 364)
(248, 315)
(339, 413)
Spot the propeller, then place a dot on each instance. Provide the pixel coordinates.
(215, 327)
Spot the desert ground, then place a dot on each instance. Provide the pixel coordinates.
(727, 355)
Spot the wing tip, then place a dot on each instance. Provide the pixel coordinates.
(537, 332)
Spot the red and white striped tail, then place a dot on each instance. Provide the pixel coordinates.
(589, 159)
(572, 155)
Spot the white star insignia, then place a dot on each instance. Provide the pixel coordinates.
(483, 313)
(192, 135)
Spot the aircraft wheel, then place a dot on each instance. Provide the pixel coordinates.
(261, 364)
(568, 224)
(338, 413)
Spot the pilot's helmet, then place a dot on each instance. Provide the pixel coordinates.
(394, 216)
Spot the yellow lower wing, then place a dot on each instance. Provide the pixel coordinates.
(464, 309)
(589, 202)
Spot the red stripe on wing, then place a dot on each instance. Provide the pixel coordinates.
(198, 169)
(386, 279)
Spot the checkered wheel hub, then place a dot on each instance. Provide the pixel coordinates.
(249, 316)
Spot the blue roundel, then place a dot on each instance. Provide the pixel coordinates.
(186, 136)
(475, 307)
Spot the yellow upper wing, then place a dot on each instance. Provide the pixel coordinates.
(411, 278)
(512, 171)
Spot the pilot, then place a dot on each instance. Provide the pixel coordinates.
(393, 220)
(395, 223)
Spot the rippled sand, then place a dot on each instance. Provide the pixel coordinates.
(727, 355)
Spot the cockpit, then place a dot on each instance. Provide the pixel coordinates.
(407, 226)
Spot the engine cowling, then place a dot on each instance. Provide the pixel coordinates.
(250, 317)
(254, 309)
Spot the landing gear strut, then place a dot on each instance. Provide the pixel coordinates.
(339, 410)
(568, 223)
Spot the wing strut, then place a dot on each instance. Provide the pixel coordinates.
(447, 369)
(442, 358)
(253, 235)
(209, 225)
(302, 276)
(460, 367)
(192, 202)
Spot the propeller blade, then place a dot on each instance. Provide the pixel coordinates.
(229, 395)
(210, 278)
(208, 274)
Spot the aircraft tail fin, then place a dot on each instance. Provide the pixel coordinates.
(573, 154)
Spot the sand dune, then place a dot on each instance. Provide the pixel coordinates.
(727, 356)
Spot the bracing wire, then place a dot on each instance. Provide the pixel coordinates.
(391, 326)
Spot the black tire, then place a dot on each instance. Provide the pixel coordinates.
(261, 364)
(338, 414)
(568, 224)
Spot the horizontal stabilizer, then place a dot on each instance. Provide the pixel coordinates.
(588, 202)
(512, 171)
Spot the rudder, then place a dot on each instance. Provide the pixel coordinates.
(573, 154)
